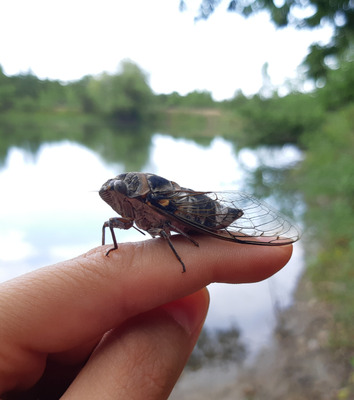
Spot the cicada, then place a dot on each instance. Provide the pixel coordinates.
(150, 203)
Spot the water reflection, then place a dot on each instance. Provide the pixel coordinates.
(49, 203)
(212, 167)
(269, 175)
(50, 211)
(129, 145)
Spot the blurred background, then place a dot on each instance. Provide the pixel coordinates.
(255, 96)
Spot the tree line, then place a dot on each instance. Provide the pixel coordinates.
(124, 96)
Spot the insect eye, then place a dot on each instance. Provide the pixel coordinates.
(120, 186)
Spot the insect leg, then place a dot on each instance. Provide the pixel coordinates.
(166, 236)
(121, 223)
(174, 228)
(137, 229)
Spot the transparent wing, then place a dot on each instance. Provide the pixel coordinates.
(233, 216)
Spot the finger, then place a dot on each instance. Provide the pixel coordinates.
(144, 358)
(99, 292)
(65, 306)
(86, 291)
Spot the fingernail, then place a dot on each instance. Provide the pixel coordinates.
(190, 312)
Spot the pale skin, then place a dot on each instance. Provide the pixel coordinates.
(117, 327)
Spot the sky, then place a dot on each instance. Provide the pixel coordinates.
(68, 39)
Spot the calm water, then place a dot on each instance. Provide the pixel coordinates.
(50, 211)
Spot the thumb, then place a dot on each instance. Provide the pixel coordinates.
(143, 358)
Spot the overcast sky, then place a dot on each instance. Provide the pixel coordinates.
(68, 39)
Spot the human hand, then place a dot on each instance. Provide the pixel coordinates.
(121, 326)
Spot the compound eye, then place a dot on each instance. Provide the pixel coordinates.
(120, 186)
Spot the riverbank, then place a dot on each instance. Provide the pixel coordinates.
(298, 364)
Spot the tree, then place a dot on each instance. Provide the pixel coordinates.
(125, 96)
(338, 13)
(7, 92)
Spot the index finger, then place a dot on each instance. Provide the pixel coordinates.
(70, 303)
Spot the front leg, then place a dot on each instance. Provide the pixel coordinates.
(121, 223)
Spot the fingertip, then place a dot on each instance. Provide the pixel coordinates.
(243, 263)
(283, 255)
(190, 311)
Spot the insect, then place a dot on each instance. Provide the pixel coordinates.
(160, 207)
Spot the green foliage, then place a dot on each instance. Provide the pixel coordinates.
(53, 96)
(195, 99)
(173, 99)
(280, 120)
(277, 120)
(339, 88)
(126, 96)
(25, 92)
(7, 93)
(198, 99)
(327, 181)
